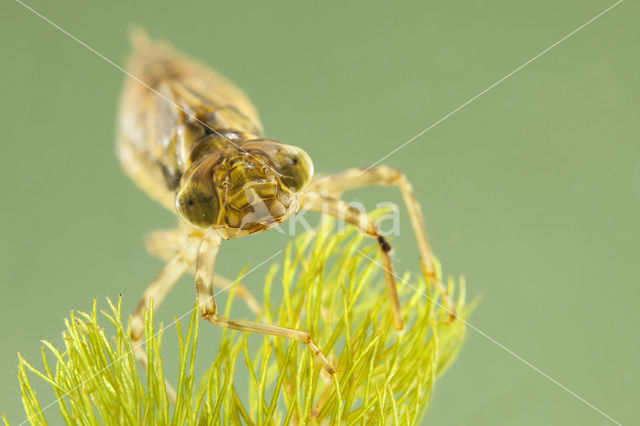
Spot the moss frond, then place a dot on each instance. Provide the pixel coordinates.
(329, 289)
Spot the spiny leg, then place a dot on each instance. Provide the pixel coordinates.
(166, 243)
(208, 310)
(340, 209)
(337, 183)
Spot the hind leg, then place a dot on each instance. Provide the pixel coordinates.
(157, 291)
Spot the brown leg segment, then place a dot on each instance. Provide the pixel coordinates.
(208, 309)
(340, 209)
(337, 183)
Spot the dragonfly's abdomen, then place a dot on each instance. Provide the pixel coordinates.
(168, 97)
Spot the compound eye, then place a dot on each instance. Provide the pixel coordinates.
(197, 202)
(295, 166)
(292, 163)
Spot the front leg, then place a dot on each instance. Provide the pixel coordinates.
(336, 184)
(208, 310)
(166, 243)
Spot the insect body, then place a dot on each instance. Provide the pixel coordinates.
(194, 143)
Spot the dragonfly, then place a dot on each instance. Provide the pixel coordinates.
(194, 142)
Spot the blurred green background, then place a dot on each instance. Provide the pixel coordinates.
(532, 191)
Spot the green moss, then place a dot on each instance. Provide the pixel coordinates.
(329, 289)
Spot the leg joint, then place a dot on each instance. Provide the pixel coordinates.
(208, 315)
(137, 329)
(387, 174)
(384, 244)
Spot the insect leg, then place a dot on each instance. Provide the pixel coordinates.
(340, 209)
(337, 183)
(207, 304)
(166, 243)
(157, 291)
